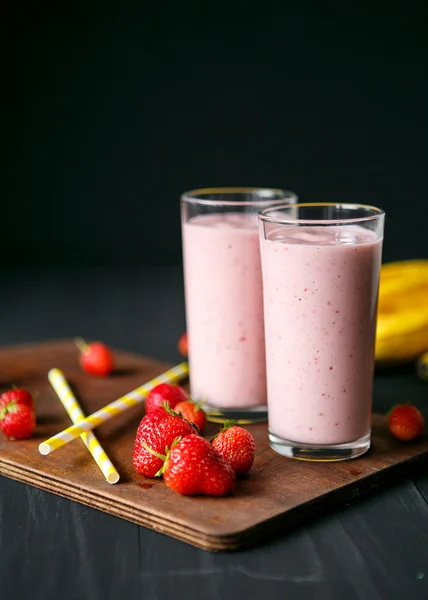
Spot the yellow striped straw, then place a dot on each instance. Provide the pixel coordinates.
(111, 410)
(69, 402)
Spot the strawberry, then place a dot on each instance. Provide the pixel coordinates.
(193, 412)
(158, 430)
(18, 395)
(193, 466)
(406, 422)
(165, 392)
(237, 446)
(183, 347)
(17, 418)
(96, 358)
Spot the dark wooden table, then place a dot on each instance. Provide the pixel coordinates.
(376, 548)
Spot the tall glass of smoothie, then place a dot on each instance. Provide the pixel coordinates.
(224, 299)
(321, 265)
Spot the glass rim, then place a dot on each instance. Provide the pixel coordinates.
(265, 199)
(377, 213)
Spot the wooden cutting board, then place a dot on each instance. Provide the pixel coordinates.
(277, 494)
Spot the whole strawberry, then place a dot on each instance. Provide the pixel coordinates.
(96, 358)
(406, 422)
(237, 446)
(193, 412)
(17, 418)
(165, 392)
(193, 466)
(157, 430)
(17, 395)
(183, 346)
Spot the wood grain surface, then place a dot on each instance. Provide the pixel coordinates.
(277, 494)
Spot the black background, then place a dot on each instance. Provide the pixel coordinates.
(118, 109)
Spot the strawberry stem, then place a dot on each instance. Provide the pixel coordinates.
(199, 405)
(10, 407)
(166, 405)
(161, 456)
(81, 344)
(227, 424)
(153, 452)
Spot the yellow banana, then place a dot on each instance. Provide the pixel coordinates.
(407, 299)
(406, 282)
(400, 349)
(403, 267)
(402, 331)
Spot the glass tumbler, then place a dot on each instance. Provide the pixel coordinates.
(224, 299)
(321, 265)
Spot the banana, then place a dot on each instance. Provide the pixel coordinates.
(403, 267)
(412, 280)
(402, 347)
(402, 329)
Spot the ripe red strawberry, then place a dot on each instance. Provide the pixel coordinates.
(96, 358)
(183, 346)
(18, 395)
(17, 418)
(165, 392)
(406, 422)
(237, 446)
(193, 412)
(158, 430)
(193, 466)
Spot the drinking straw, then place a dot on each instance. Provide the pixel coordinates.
(111, 410)
(71, 405)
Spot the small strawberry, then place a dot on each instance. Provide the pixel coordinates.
(18, 395)
(158, 430)
(406, 422)
(237, 446)
(183, 347)
(17, 418)
(96, 358)
(165, 392)
(193, 466)
(193, 412)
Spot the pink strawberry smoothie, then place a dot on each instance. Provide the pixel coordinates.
(224, 309)
(320, 298)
